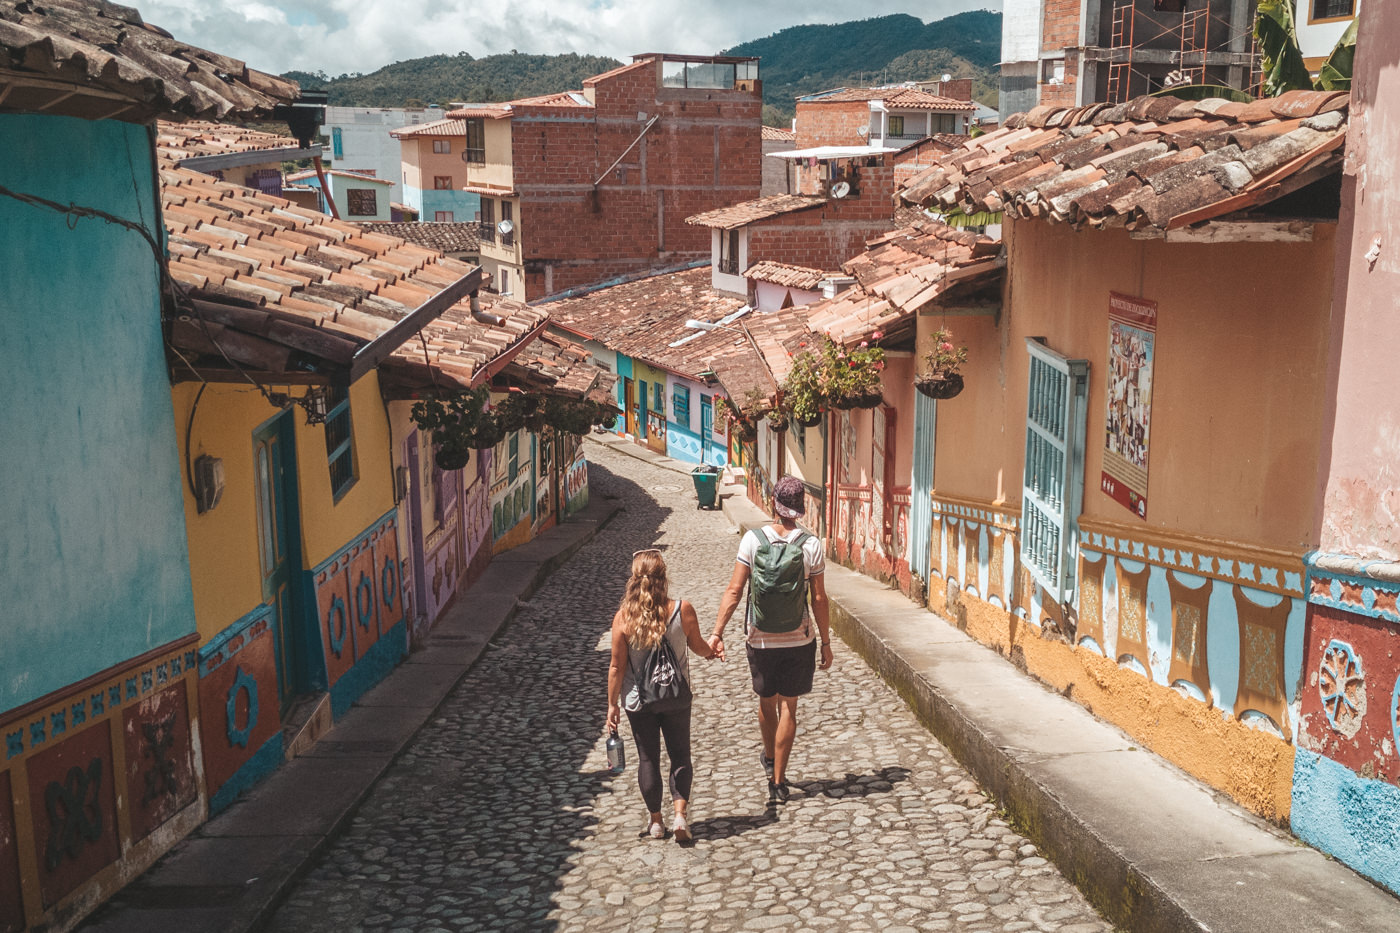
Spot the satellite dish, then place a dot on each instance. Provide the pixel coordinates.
(947, 77)
(840, 189)
(505, 227)
(862, 131)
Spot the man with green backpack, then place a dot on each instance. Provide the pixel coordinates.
(782, 566)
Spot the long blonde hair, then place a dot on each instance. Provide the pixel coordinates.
(644, 604)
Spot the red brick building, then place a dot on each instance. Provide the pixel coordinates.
(845, 198)
(880, 117)
(585, 186)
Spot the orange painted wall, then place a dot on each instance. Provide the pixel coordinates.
(1239, 369)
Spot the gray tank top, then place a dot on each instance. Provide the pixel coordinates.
(636, 657)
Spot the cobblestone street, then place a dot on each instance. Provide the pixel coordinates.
(502, 814)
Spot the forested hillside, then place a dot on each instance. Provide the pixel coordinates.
(441, 79)
(887, 49)
(795, 61)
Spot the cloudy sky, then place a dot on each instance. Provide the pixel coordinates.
(346, 36)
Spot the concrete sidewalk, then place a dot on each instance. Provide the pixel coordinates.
(1152, 848)
(230, 875)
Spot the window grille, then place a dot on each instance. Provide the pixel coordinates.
(680, 404)
(340, 437)
(362, 202)
(729, 251)
(1053, 489)
(487, 230)
(476, 142)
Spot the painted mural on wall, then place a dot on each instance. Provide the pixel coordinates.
(359, 602)
(575, 475)
(1132, 332)
(102, 767)
(512, 491)
(1218, 623)
(1345, 798)
(240, 722)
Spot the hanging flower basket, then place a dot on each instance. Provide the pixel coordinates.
(745, 431)
(940, 385)
(812, 421)
(870, 400)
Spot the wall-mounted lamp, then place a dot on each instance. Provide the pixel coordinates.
(316, 404)
(208, 482)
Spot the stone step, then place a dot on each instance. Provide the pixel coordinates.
(305, 723)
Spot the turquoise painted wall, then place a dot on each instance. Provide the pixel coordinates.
(92, 531)
(463, 204)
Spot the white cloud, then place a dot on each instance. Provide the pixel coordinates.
(347, 36)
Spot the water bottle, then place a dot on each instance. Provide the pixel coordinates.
(617, 753)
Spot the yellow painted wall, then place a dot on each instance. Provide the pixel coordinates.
(224, 560)
(1238, 375)
(497, 172)
(326, 525)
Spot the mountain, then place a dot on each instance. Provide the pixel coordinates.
(887, 49)
(795, 61)
(441, 79)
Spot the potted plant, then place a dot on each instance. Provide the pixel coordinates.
(852, 374)
(802, 390)
(777, 418)
(458, 424)
(941, 378)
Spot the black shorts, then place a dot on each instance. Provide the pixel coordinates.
(783, 671)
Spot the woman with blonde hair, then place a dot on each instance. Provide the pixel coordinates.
(646, 616)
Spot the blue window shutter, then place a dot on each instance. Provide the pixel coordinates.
(680, 402)
(1053, 489)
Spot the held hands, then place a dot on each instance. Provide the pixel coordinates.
(716, 647)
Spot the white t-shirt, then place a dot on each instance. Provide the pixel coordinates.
(813, 561)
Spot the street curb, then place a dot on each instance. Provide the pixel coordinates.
(146, 902)
(1123, 894)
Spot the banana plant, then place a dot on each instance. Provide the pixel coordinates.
(1282, 59)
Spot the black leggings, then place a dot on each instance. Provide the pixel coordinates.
(647, 731)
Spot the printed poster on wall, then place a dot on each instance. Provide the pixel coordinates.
(1132, 330)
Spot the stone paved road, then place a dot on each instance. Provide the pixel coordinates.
(502, 815)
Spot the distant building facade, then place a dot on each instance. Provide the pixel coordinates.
(586, 186)
(434, 171)
(358, 140)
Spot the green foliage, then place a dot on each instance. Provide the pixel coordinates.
(1283, 65)
(802, 390)
(1335, 74)
(805, 59)
(1282, 60)
(850, 373)
(945, 357)
(459, 424)
(796, 61)
(444, 79)
(1204, 92)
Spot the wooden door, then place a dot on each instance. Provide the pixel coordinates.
(274, 463)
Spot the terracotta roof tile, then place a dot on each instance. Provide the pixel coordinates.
(176, 142)
(781, 273)
(331, 282)
(1191, 160)
(93, 43)
(461, 236)
(747, 212)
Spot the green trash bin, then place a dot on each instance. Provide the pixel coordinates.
(706, 487)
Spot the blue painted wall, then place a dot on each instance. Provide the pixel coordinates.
(1347, 816)
(92, 530)
(463, 204)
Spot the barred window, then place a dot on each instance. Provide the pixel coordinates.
(362, 202)
(1053, 489)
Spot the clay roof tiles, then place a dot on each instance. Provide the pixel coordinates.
(297, 291)
(176, 142)
(447, 127)
(454, 237)
(774, 133)
(1153, 163)
(747, 212)
(904, 98)
(781, 273)
(109, 50)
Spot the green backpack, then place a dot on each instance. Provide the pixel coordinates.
(777, 584)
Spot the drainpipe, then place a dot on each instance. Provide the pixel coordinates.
(484, 317)
(325, 188)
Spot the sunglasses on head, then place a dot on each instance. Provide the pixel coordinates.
(647, 550)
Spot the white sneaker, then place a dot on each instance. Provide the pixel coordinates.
(681, 829)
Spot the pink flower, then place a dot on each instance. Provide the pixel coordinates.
(876, 336)
(946, 347)
(864, 344)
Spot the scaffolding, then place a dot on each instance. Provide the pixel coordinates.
(1189, 38)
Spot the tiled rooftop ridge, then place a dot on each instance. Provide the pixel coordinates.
(1153, 162)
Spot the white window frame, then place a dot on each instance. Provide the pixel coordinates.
(1052, 488)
